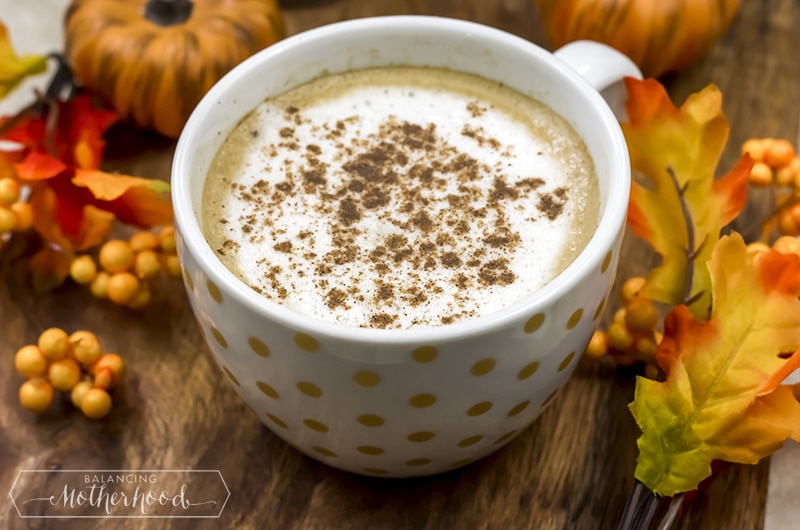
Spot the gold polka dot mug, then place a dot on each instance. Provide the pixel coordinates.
(416, 401)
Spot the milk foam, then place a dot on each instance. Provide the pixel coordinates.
(400, 198)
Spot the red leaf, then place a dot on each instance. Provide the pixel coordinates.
(39, 166)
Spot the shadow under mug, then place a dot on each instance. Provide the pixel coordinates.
(417, 401)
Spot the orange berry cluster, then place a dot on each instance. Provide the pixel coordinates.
(70, 363)
(125, 270)
(632, 337)
(15, 215)
(777, 164)
(784, 245)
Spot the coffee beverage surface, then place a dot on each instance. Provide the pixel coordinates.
(400, 197)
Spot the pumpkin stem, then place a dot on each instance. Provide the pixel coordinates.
(168, 12)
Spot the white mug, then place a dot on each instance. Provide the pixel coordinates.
(390, 402)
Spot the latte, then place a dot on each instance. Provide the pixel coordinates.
(400, 197)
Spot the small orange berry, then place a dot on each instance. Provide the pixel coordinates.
(761, 175)
(779, 153)
(86, 347)
(787, 245)
(64, 374)
(113, 363)
(166, 239)
(83, 269)
(104, 378)
(646, 346)
(54, 344)
(787, 224)
(79, 391)
(99, 286)
(143, 241)
(597, 347)
(755, 148)
(631, 288)
(785, 176)
(147, 264)
(96, 403)
(9, 191)
(618, 337)
(173, 265)
(23, 212)
(757, 247)
(122, 287)
(30, 361)
(36, 394)
(641, 315)
(116, 256)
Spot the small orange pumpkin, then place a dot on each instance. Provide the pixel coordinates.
(660, 36)
(153, 60)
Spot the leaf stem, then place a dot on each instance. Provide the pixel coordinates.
(672, 512)
(639, 509)
(642, 505)
(691, 250)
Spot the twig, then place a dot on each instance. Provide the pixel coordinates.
(691, 250)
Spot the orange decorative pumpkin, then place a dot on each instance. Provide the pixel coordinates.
(153, 60)
(660, 36)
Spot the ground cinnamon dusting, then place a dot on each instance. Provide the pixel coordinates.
(442, 229)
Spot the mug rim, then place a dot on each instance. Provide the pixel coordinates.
(612, 216)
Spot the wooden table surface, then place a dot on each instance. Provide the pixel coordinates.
(572, 469)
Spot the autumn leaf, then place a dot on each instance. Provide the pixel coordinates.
(74, 201)
(38, 166)
(680, 208)
(14, 69)
(76, 139)
(722, 398)
(134, 200)
(56, 217)
(108, 187)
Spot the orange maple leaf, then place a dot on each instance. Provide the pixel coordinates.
(133, 200)
(722, 398)
(680, 208)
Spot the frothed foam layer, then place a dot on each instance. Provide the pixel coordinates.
(400, 198)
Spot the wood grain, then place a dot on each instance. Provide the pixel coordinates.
(571, 470)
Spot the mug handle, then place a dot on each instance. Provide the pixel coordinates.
(600, 64)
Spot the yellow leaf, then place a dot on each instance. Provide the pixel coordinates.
(722, 398)
(14, 69)
(680, 208)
